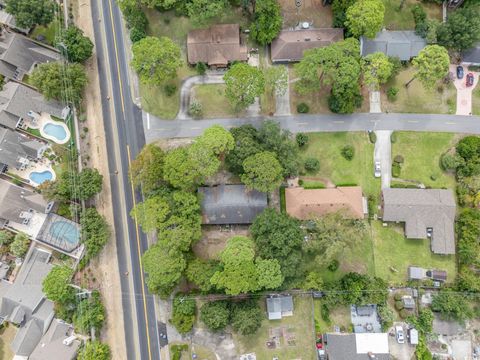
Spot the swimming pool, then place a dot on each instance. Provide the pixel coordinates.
(55, 131)
(40, 177)
(65, 231)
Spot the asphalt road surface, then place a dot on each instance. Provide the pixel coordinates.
(125, 138)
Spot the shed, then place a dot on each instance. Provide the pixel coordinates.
(408, 302)
(279, 306)
(437, 275)
(416, 273)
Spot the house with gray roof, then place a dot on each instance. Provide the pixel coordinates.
(21, 105)
(230, 204)
(19, 55)
(427, 213)
(24, 304)
(17, 150)
(59, 343)
(472, 56)
(365, 346)
(279, 306)
(402, 44)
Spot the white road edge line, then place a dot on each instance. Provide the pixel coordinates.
(302, 123)
(412, 121)
(148, 121)
(450, 123)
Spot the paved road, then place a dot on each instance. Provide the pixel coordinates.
(159, 129)
(124, 140)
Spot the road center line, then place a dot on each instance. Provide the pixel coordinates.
(450, 123)
(338, 121)
(195, 128)
(413, 121)
(302, 123)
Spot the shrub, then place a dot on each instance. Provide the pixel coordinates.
(246, 317)
(397, 297)
(392, 93)
(215, 315)
(6, 237)
(300, 182)
(399, 305)
(449, 162)
(20, 244)
(303, 108)
(183, 313)
(170, 89)
(201, 68)
(312, 165)
(348, 152)
(399, 159)
(393, 138)
(434, 177)
(195, 110)
(403, 313)
(325, 313)
(333, 266)
(396, 170)
(302, 139)
(372, 136)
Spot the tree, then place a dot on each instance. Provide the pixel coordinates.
(461, 30)
(163, 4)
(246, 317)
(156, 60)
(361, 290)
(276, 79)
(183, 316)
(387, 317)
(56, 285)
(147, 168)
(331, 235)
(216, 139)
(269, 274)
(215, 315)
(78, 47)
(94, 350)
(247, 143)
(377, 69)
(279, 236)
(431, 64)
(89, 313)
(365, 17)
(263, 172)
(6, 237)
(135, 18)
(313, 281)
(164, 269)
(151, 213)
(200, 272)
(20, 244)
(31, 12)
(49, 79)
(423, 322)
(95, 233)
(204, 162)
(452, 305)
(267, 21)
(243, 84)
(90, 183)
(200, 11)
(339, 9)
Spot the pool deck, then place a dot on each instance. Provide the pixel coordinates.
(46, 119)
(41, 166)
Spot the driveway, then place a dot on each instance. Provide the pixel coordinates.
(282, 102)
(400, 351)
(464, 93)
(383, 153)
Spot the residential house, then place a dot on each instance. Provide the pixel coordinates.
(9, 20)
(290, 45)
(217, 46)
(279, 306)
(427, 213)
(19, 55)
(366, 346)
(58, 343)
(230, 204)
(17, 150)
(402, 44)
(307, 203)
(24, 304)
(472, 56)
(21, 106)
(418, 273)
(365, 319)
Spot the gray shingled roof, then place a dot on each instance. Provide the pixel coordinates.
(402, 44)
(14, 146)
(278, 304)
(20, 55)
(51, 345)
(472, 56)
(420, 209)
(230, 204)
(344, 347)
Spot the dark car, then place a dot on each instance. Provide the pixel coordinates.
(470, 79)
(459, 72)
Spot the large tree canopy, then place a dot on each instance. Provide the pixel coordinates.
(31, 12)
(200, 11)
(267, 21)
(461, 30)
(376, 69)
(147, 168)
(94, 350)
(365, 17)
(156, 60)
(431, 65)
(77, 46)
(56, 285)
(262, 172)
(243, 84)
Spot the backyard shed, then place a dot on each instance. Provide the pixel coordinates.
(279, 306)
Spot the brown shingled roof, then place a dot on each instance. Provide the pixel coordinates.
(290, 44)
(305, 203)
(216, 46)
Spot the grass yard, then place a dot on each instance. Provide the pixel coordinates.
(6, 337)
(421, 152)
(476, 101)
(213, 100)
(339, 316)
(300, 326)
(393, 250)
(415, 99)
(310, 10)
(396, 19)
(48, 32)
(326, 147)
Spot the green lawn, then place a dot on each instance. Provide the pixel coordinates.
(213, 100)
(394, 253)
(300, 326)
(47, 31)
(339, 316)
(396, 19)
(326, 147)
(476, 101)
(415, 99)
(422, 152)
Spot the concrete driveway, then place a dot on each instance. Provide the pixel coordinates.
(464, 93)
(383, 153)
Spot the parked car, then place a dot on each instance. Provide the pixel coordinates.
(459, 72)
(378, 170)
(399, 334)
(470, 79)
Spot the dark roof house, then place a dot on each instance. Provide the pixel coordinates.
(427, 213)
(365, 346)
(279, 306)
(230, 204)
(290, 45)
(472, 56)
(17, 150)
(402, 44)
(218, 46)
(19, 103)
(418, 273)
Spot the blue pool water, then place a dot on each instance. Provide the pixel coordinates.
(56, 131)
(41, 177)
(65, 231)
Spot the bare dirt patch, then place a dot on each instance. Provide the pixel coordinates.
(214, 239)
(312, 11)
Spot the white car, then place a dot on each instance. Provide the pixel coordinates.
(378, 170)
(399, 334)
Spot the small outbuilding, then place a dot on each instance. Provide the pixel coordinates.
(413, 336)
(408, 302)
(279, 306)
